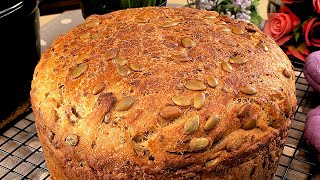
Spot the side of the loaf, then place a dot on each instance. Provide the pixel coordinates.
(257, 162)
(163, 93)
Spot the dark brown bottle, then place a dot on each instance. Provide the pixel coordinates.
(89, 7)
(20, 52)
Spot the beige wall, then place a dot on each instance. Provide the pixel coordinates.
(180, 2)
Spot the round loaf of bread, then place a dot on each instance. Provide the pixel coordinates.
(163, 93)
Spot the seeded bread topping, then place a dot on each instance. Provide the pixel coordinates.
(163, 93)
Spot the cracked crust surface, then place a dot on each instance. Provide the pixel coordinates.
(86, 131)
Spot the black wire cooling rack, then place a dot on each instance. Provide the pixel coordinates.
(21, 155)
(297, 160)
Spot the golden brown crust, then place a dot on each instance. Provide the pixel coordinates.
(114, 97)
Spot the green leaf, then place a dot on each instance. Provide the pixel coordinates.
(296, 36)
(255, 3)
(297, 28)
(230, 6)
(220, 1)
(256, 20)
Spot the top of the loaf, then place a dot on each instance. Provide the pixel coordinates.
(165, 87)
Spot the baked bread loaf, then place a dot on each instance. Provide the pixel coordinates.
(163, 93)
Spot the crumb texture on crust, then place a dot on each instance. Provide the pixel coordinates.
(161, 92)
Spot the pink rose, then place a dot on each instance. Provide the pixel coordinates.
(316, 6)
(311, 31)
(280, 25)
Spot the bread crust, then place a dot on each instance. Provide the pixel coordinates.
(90, 129)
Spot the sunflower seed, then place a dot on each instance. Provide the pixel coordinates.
(221, 23)
(187, 43)
(199, 100)
(223, 29)
(238, 60)
(98, 88)
(84, 35)
(72, 140)
(169, 24)
(226, 66)
(120, 61)
(106, 119)
(229, 42)
(212, 122)
(92, 22)
(244, 110)
(249, 90)
(81, 58)
(79, 70)
(249, 124)
(95, 36)
(192, 124)
(209, 17)
(197, 144)
(136, 67)
(181, 57)
(142, 19)
(123, 71)
(170, 112)
(195, 85)
(110, 54)
(125, 103)
(286, 73)
(212, 162)
(181, 101)
(212, 82)
(238, 31)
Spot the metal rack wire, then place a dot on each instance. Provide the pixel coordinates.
(297, 160)
(21, 155)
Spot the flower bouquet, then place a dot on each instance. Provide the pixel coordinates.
(246, 10)
(295, 26)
